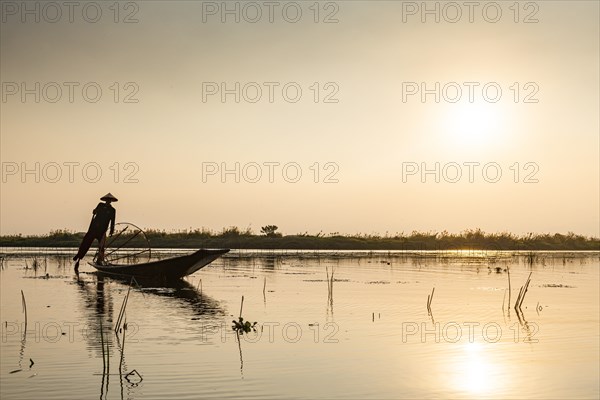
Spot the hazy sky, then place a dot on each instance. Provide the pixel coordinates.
(173, 93)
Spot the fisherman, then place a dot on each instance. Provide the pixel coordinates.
(104, 214)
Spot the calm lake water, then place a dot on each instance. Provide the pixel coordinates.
(370, 335)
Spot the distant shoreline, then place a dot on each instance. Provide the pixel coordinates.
(233, 238)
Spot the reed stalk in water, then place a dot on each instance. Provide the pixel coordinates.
(123, 347)
(123, 307)
(509, 288)
(429, 300)
(24, 304)
(102, 344)
(330, 280)
(525, 289)
(522, 293)
(241, 306)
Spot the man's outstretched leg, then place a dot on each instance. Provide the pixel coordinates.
(86, 243)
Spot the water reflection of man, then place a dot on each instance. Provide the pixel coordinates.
(103, 215)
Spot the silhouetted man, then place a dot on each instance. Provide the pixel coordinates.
(104, 214)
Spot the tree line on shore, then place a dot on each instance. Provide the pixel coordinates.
(269, 238)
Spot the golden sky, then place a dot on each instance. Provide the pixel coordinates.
(347, 116)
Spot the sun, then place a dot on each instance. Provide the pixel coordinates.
(475, 125)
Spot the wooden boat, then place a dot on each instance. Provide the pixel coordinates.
(169, 268)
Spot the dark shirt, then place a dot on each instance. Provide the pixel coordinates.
(104, 214)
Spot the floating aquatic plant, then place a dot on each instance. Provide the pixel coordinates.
(241, 326)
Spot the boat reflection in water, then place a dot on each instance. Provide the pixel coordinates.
(107, 299)
(187, 297)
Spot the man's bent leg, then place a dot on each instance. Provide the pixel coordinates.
(102, 243)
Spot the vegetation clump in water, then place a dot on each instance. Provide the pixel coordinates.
(242, 327)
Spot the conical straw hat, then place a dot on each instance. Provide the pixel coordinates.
(108, 197)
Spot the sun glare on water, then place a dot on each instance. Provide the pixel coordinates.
(475, 372)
